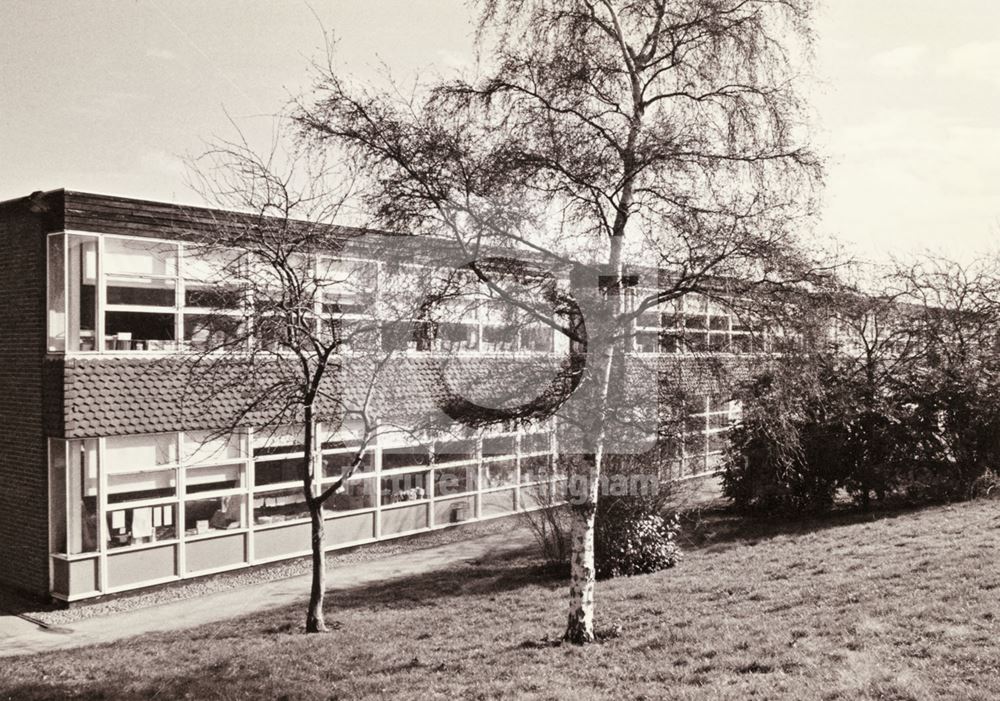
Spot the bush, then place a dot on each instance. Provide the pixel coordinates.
(631, 535)
(630, 539)
(786, 454)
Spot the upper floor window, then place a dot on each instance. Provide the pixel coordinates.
(109, 293)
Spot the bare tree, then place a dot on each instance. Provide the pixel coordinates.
(603, 135)
(293, 337)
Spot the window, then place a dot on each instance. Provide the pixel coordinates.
(277, 471)
(140, 486)
(403, 457)
(72, 292)
(140, 280)
(356, 494)
(125, 453)
(57, 293)
(275, 441)
(454, 451)
(453, 337)
(73, 496)
(499, 446)
(410, 486)
(347, 286)
(213, 478)
(449, 481)
(706, 433)
(279, 506)
(499, 339)
(140, 524)
(220, 513)
(336, 464)
(205, 446)
(499, 473)
(536, 443)
(535, 468)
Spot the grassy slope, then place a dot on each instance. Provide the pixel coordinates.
(898, 607)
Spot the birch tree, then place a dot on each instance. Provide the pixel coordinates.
(598, 135)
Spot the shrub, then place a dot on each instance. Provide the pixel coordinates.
(786, 454)
(630, 539)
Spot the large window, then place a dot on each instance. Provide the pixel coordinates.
(499, 461)
(110, 293)
(73, 501)
(404, 473)
(140, 283)
(706, 433)
(693, 323)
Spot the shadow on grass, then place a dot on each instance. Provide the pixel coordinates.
(517, 570)
(721, 528)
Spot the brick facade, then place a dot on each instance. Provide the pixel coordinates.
(23, 449)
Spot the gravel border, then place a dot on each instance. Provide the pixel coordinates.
(190, 588)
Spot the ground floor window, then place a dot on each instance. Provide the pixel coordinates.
(188, 497)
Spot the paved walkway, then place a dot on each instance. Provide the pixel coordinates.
(21, 637)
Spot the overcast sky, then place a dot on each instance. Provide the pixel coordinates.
(108, 95)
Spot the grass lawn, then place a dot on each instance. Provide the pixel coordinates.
(897, 606)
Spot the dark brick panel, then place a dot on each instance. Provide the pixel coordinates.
(23, 451)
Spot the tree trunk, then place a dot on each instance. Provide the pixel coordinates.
(583, 571)
(580, 626)
(315, 622)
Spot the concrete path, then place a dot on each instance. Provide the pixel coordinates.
(21, 637)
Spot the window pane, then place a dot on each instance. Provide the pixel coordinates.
(141, 292)
(400, 336)
(81, 483)
(536, 443)
(408, 456)
(283, 505)
(455, 337)
(144, 524)
(357, 494)
(535, 468)
(334, 465)
(537, 338)
(81, 286)
(646, 341)
(125, 453)
(411, 486)
(205, 331)
(139, 257)
(209, 479)
(499, 473)
(454, 451)
(648, 318)
(454, 480)
(212, 296)
(696, 342)
(218, 514)
(498, 446)
(671, 343)
(719, 342)
(141, 485)
(139, 331)
(204, 446)
(284, 439)
(276, 471)
(57, 293)
(499, 338)
(210, 265)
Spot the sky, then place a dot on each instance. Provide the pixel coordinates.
(110, 96)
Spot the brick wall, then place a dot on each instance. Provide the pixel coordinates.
(23, 451)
